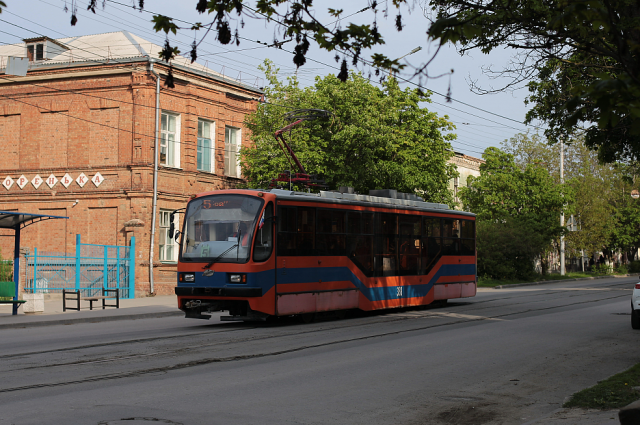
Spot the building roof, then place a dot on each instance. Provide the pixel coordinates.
(108, 48)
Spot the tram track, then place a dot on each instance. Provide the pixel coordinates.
(384, 316)
(233, 358)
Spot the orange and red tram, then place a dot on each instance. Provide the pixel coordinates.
(261, 253)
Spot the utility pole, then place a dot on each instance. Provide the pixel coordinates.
(562, 269)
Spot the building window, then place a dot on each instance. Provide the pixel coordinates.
(35, 52)
(205, 145)
(169, 140)
(231, 148)
(168, 251)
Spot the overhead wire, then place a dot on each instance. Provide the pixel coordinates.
(116, 128)
(369, 64)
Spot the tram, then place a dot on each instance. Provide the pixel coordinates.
(262, 253)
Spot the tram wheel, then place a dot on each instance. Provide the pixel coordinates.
(308, 318)
(341, 314)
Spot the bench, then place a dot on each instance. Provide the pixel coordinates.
(75, 296)
(8, 293)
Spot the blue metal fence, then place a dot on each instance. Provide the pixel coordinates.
(92, 268)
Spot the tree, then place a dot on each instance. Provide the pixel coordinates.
(586, 177)
(507, 249)
(376, 138)
(514, 201)
(582, 55)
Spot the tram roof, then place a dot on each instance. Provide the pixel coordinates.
(365, 200)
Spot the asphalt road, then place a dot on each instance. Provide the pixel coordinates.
(504, 357)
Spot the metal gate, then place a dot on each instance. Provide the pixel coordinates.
(92, 268)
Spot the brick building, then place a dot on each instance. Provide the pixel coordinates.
(77, 138)
(466, 166)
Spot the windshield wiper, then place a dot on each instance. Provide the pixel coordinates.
(215, 260)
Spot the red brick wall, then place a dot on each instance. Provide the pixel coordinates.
(107, 125)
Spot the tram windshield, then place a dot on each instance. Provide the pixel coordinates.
(219, 228)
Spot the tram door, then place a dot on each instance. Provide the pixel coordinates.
(296, 259)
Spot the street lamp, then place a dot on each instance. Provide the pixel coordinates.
(416, 50)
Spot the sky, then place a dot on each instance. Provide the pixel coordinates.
(481, 120)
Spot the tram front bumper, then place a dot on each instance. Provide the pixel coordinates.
(219, 292)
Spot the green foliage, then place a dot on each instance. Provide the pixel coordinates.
(634, 267)
(508, 249)
(504, 190)
(580, 60)
(518, 208)
(6, 270)
(376, 138)
(612, 393)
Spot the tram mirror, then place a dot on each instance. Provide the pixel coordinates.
(172, 226)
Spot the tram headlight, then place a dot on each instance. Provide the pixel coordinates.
(188, 277)
(237, 278)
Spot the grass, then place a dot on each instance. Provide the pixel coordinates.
(612, 393)
(490, 283)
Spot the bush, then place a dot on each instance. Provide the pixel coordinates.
(602, 269)
(621, 269)
(508, 249)
(634, 266)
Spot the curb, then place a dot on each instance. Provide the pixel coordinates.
(542, 282)
(90, 320)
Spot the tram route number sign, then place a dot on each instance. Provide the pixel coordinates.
(208, 204)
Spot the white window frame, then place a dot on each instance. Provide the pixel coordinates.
(230, 149)
(203, 150)
(172, 148)
(168, 247)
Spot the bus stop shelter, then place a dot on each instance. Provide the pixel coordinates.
(18, 221)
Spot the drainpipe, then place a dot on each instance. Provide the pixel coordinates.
(155, 176)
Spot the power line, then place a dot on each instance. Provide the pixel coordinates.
(368, 64)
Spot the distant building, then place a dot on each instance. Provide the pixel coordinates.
(466, 166)
(78, 140)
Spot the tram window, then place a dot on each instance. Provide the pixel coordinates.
(305, 239)
(450, 228)
(286, 219)
(330, 236)
(409, 249)
(410, 225)
(286, 231)
(468, 247)
(367, 223)
(287, 244)
(360, 251)
(386, 245)
(331, 221)
(264, 236)
(451, 246)
(467, 229)
(430, 253)
(354, 223)
(306, 220)
(432, 227)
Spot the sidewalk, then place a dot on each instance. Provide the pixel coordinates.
(542, 282)
(137, 308)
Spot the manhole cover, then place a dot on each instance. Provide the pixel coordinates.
(140, 421)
